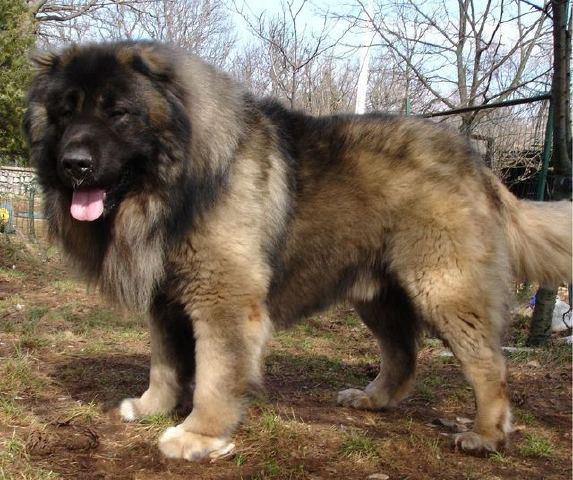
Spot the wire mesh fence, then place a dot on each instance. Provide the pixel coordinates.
(510, 138)
(21, 211)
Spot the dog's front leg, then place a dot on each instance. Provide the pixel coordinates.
(229, 339)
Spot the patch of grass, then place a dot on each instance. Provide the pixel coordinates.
(314, 368)
(525, 417)
(88, 411)
(499, 457)
(11, 410)
(13, 448)
(351, 321)
(273, 426)
(66, 285)
(132, 335)
(426, 386)
(273, 440)
(446, 360)
(270, 423)
(433, 342)
(536, 446)
(272, 468)
(95, 318)
(554, 354)
(11, 274)
(34, 314)
(85, 319)
(427, 443)
(155, 424)
(99, 346)
(520, 330)
(462, 394)
(27, 328)
(358, 445)
(307, 329)
(31, 342)
(240, 459)
(17, 375)
(15, 464)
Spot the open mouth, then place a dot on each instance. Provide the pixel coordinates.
(87, 204)
(90, 202)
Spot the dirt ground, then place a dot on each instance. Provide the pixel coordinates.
(67, 359)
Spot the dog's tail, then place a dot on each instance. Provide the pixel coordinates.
(539, 236)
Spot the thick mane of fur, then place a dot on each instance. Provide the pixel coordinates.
(124, 255)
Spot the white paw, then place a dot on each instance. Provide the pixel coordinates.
(178, 443)
(128, 411)
(354, 398)
(472, 442)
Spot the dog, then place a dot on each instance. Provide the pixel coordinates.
(176, 192)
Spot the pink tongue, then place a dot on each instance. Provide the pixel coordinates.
(87, 204)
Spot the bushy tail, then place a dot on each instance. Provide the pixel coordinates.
(540, 237)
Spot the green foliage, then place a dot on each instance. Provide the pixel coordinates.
(16, 38)
(536, 446)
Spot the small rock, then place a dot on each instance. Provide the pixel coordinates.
(378, 476)
(533, 363)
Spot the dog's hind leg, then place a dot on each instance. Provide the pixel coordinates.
(465, 306)
(172, 362)
(468, 333)
(394, 322)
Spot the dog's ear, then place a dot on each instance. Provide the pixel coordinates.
(44, 62)
(150, 59)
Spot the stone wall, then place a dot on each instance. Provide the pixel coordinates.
(16, 180)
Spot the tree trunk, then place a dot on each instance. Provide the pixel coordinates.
(540, 327)
(560, 99)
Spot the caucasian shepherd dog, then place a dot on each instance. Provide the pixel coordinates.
(175, 191)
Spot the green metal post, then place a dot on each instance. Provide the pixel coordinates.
(31, 201)
(548, 136)
(407, 105)
(546, 154)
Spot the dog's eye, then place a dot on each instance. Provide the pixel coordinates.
(119, 113)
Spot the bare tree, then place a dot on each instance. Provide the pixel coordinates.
(251, 66)
(469, 56)
(291, 47)
(330, 86)
(390, 83)
(64, 20)
(201, 26)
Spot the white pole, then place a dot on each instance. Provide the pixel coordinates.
(362, 85)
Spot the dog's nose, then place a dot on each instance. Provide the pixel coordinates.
(77, 163)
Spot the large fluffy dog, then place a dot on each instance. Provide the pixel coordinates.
(175, 191)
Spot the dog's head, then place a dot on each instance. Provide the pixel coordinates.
(101, 116)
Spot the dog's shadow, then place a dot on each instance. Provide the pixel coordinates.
(105, 379)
